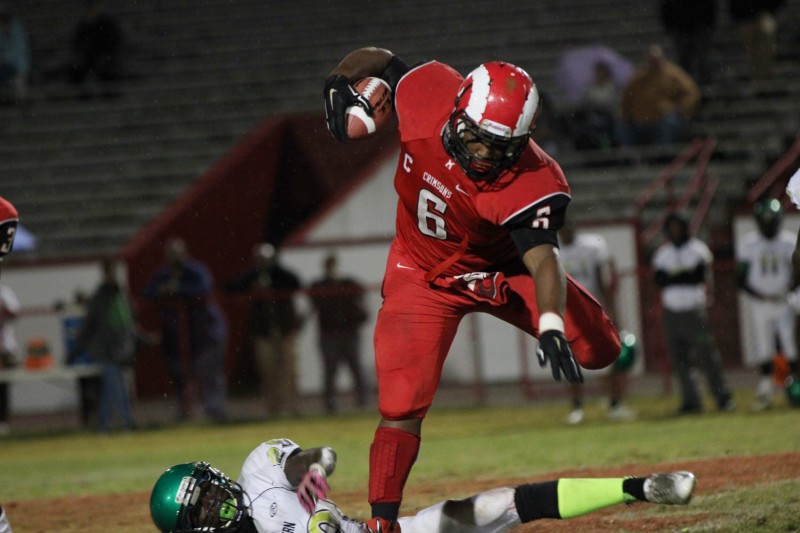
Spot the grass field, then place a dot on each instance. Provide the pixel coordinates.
(754, 488)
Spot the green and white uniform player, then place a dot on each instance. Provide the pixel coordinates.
(283, 488)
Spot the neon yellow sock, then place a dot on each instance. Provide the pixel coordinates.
(578, 497)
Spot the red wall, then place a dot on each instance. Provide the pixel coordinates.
(288, 168)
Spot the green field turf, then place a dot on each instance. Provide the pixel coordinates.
(458, 443)
(459, 446)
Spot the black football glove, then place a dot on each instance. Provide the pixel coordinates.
(553, 346)
(339, 95)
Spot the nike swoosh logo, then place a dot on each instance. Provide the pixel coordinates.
(462, 191)
(330, 95)
(399, 265)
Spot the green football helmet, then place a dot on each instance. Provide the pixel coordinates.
(627, 355)
(768, 213)
(197, 497)
(793, 391)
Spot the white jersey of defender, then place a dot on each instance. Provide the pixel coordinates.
(793, 189)
(770, 274)
(273, 501)
(770, 262)
(276, 509)
(583, 257)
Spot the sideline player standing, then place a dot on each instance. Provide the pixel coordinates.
(586, 258)
(284, 488)
(764, 272)
(479, 208)
(8, 230)
(682, 268)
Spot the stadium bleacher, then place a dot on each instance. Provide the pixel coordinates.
(89, 173)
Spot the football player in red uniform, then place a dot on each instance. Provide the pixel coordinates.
(479, 207)
(8, 226)
(8, 229)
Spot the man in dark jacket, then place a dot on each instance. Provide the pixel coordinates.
(183, 289)
(273, 326)
(96, 45)
(338, 301)
(690, 25)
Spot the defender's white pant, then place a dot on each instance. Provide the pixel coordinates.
(493, 511)
(771, 320)
(5, 527)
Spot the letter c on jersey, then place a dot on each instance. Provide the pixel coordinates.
(407, 161)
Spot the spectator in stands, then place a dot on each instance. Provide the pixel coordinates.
(682, 268)
(97, 45)
(15, 59)
(757, 25)
(339, 303)
(109, 334)
(658, 102)
(690, 25)
(183, 290)
(595, 123)
(273, 325)
(550, 125)
(586, 259)
(9, 310)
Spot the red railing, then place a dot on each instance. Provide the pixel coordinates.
(700, 182)
(774, 179)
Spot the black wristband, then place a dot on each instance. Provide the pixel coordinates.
(334, 79)
(395, 69)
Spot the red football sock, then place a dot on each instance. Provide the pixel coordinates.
(391, 456)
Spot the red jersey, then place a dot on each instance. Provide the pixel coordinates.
(440, 208)
(8, 226)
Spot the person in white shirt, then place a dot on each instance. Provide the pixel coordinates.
(682, 268)
(764, 271)
(284, 488)
(585, 257)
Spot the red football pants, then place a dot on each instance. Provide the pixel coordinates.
(417, 323)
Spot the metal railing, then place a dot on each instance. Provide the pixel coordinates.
(699, 183)
(774, 180)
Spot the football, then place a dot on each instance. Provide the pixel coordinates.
(359, 123)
